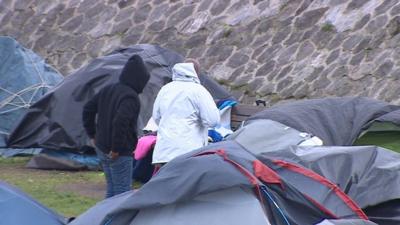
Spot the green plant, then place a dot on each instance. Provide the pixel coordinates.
(327, 27)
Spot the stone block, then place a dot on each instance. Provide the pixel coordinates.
(237, 59)
(357, 58)
(377, 24)
(194, 24)
(141, 15)
(125, 3)
(281, 35)
(384, 69)
(362, 22)
(322, 38)
(336, 41)
(288, 92)
(65, 15)
(219, 6)
(351, 42)
(294, 37)
(333, 56)
(309, 18)
(95, 11)
(321, 82)
(355, 4)
(395, 10)
(121, 28)
(305, 50)
(79, 60)
(287, 55)
(205, 5)
(364, 44)
(341, 71)
(285, 71)
(73, 24)
(238, 78)
(264, 26)
(196, 52)
(180, 15)
(269, 53)
(196, 41)
(266, 89)
(284, 83)
(94, 48)
(385, 6)
(156, 26)
(265, 69)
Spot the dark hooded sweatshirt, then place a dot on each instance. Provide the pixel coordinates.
(117, 108)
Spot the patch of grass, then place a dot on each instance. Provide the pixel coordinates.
(327, 27)
(46, 186)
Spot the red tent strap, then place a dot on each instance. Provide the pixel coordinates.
(266, 174)
(308, 173)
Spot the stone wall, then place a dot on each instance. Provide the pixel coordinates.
(260, 49)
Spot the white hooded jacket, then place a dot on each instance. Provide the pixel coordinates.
(183, 111)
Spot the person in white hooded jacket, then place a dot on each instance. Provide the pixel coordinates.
(183, 111)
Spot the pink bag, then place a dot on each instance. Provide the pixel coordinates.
(144, 145)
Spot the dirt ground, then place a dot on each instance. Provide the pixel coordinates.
(91, 190)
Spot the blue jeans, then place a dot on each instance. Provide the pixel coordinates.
(118, 173)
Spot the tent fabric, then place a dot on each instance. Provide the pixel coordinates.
(257, 139)
(24, 79)
(357, 170)
(54, 122)
(337, 121)
(234, 206)
(370, 175)
(64, 160)
(220, 166)
(347, 222)
(387, 213)
(17, 207)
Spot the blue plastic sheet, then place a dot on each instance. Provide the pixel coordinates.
(24, 79)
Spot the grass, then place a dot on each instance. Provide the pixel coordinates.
(58, 190)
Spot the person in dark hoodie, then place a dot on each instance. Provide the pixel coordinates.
(114, 132)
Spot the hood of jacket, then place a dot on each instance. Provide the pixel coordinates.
(135, 74)
(185, 72)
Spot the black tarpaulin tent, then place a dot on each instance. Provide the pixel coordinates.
(54, 122)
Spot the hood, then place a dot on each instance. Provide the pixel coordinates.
(135, 74)
(184, 72)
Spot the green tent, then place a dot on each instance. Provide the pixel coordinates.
(383, 134)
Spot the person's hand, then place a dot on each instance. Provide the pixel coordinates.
(114, 155)
(93, 141)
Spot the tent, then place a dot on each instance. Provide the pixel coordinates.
(337, 121)
(18, 208)
(225, 184)
(24, 79)
(383, 131)
(370, 175)
(54, 122)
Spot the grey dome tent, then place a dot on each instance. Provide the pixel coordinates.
(224, 184)
(337, 121)
(24, 79)
(17, 208)
(370, 175)
(54, 122)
